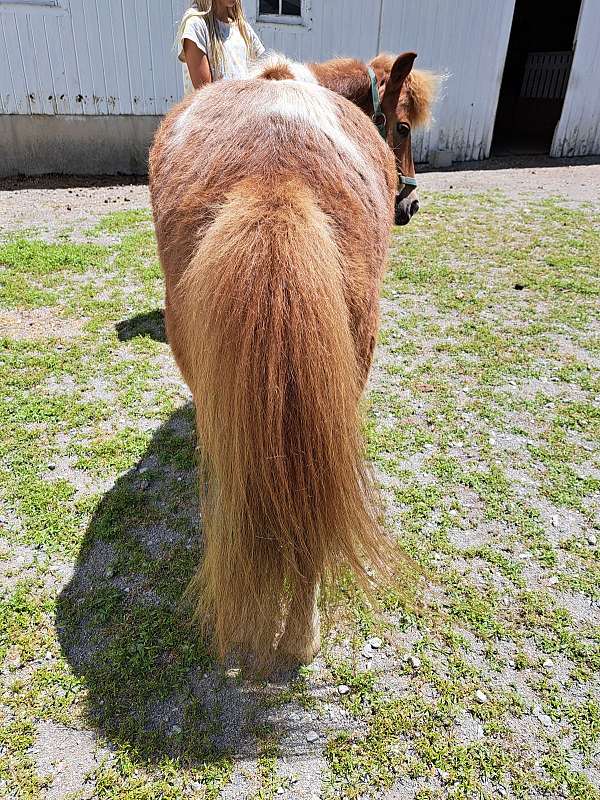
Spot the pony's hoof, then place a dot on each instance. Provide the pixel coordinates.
(297, 653)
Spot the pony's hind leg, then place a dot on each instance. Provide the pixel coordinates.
(301, 638)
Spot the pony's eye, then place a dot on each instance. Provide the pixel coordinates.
(402, 129)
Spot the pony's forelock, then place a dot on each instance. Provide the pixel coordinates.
(422, 87)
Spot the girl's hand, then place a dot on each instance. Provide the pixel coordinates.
(197, 64)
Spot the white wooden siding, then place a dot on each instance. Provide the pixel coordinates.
(578, 130)
(94, 57)
(116, 57)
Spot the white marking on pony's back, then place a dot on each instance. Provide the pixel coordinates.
(183, 125)
(309, 105)
(301, 72)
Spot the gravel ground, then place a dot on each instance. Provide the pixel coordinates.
(483, 426)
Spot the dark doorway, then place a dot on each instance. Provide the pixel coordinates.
(536, 73)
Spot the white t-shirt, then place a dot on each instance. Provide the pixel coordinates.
(237, 59)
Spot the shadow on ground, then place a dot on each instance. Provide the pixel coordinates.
(150, 680)
(152, 324)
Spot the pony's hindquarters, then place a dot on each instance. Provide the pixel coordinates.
(264, 325)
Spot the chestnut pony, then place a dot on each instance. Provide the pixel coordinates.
(273, 201)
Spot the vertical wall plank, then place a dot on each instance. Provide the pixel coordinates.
(578, 130)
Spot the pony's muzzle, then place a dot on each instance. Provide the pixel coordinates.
(406, 208)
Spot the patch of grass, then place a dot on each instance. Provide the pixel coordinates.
(121, 221)
(33, 272)
(481, 420)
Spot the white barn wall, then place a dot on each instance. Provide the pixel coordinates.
(578, 130)
(109, 59)
(92, 57)
(466, 40)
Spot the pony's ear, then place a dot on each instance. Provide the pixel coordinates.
(398, 74)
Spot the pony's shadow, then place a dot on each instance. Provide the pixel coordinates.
(151, 682)
(151, 323)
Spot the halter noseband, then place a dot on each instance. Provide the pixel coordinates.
(380, 122)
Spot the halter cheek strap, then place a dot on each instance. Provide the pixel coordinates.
(379, 118)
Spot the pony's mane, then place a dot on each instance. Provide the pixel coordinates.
(419, 92)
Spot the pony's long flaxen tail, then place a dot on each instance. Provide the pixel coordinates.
(276, 386)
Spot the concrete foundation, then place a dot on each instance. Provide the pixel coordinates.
(75, 145)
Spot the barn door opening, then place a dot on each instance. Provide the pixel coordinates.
(536, 74)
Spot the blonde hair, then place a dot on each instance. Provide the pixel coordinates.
(204, 10)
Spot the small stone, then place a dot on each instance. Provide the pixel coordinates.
(548, 663)
(233, 673)
(367, 651)
(312, 736)
(414, 661)
(592, 540)
(555, 520)
(545, 720)
(375, 642)
(480, 696)
(110, 572)
(501, 791)
(553, 580)
(51, 467)
(176, 729)
(343, 689)
(492, 440)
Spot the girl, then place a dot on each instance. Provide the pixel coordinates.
(215, 42)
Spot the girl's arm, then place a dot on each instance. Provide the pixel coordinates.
(197, 64)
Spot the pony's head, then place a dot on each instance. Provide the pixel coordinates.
(406, 97)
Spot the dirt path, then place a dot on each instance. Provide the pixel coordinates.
(52, 201)
(576, 180)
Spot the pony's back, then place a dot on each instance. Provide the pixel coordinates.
(273, 204)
